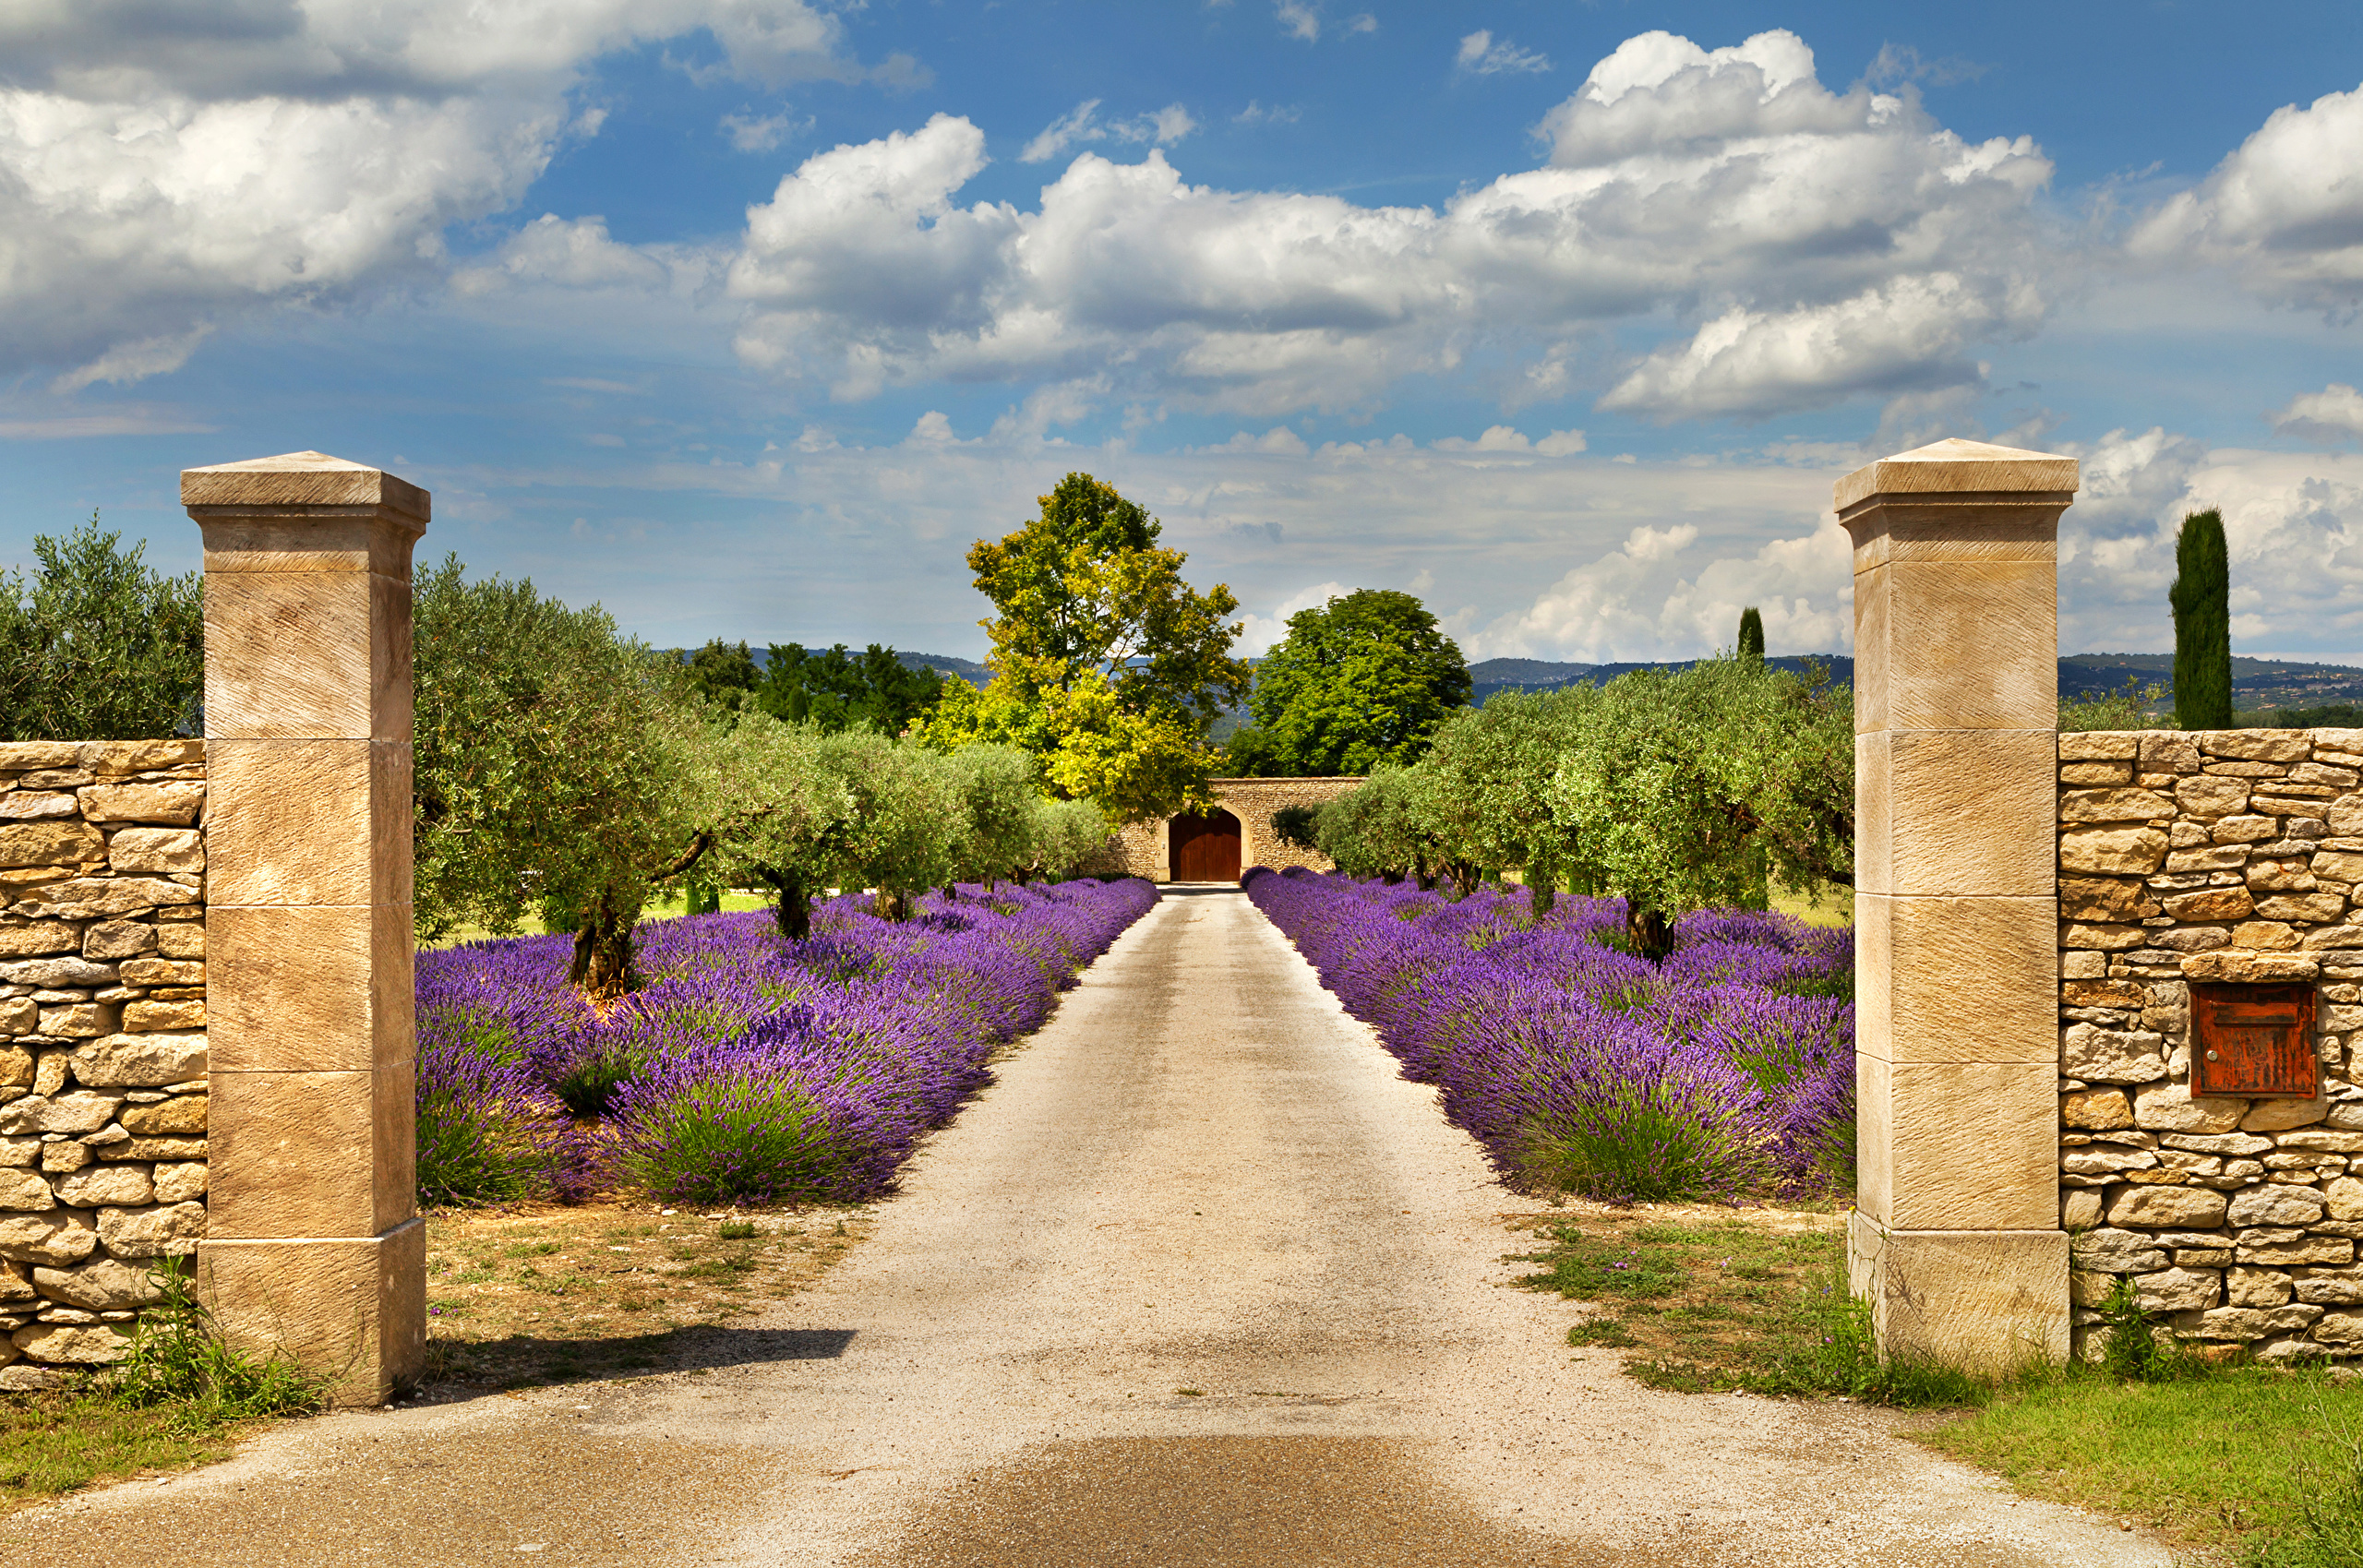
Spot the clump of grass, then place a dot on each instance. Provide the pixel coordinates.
(728, 1134)
(738, 1230)
(179, 1359)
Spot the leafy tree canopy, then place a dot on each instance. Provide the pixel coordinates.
(1360, 683)
(831, 689)
(98, 646)
(1084, 589)
(1134, 764)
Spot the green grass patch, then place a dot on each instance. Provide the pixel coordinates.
(2256, 1459)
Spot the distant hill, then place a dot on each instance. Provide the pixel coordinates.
(1491, 675)
(968, 670)
(2259, 686)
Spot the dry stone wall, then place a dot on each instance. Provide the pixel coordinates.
(2231, 856)
(102, 1046)
(1144, 849)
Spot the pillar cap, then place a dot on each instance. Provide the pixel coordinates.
(1954, 465)
(300, 479)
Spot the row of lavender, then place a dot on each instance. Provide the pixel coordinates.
(1727, 1070)
(753, 1069)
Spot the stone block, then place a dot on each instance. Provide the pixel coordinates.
(2210, 904)
(140, 1060)
(2089, 774)
(101, 898)
(103, 1285)
(1956, 980)
(2339, 865)
(2104, 898)
(1971, 1146)
(2257, 746)
(1986, 1301)
(2255, 1323)
(2275, 1116)
(187, 941)
(156, 851)
(157, 1231)
(2163, 1208)
(57, 1237)
(183, 1115)
(2095, 1108)
(267, 1133)
(51, 844)
(2213, 857)
(2224, 1143)
(2339, 1328)
(100, 1186)
(36, 937)
(2299, 1206)
(2111, 1056)
(353, 1310)
(1968, 812)
(289, 655)
(2209, 795)
(2330, 1288)
(26, 1191)
(118, 939)
(2333, 1250)
(140, 1017)
(58, 1344)
(309, 822)
(67, 970)
(1959, 645)
(181, 1181)
(174, 804)
(2099, 746)
(2246, 964)
(2099, 936)
(2255, 1288)
(78, 1021)
(33, 805)
(2264, 934)
(2114, 806)
(2179, 1290)
(80, 1110)
(320, 989)
(2343, 1199)
(2079, 1209)
(2316, 907)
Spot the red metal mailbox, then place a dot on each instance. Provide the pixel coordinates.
(2254, 1040)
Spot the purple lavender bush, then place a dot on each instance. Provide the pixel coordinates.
(1726, 1072)
(755, 1069)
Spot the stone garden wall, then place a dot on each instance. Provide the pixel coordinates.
(2218, 855)
(1143, 849)
(103, 1046)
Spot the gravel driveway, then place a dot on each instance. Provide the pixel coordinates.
(1200, 1280)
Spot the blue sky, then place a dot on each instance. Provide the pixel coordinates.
(745, 316)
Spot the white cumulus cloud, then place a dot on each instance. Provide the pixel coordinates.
(2284, 210)
(163, 168)
(1822, 244)
(2335, 412)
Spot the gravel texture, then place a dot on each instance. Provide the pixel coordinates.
(1200, 1280)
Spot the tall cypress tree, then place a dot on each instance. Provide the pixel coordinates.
(1751, 635)
(2201, 598)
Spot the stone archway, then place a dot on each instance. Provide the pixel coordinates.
(1204, 848)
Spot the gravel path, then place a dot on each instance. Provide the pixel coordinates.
(1199, 1281)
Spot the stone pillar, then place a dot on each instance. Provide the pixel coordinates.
(313, 1243)
(1955, 1237)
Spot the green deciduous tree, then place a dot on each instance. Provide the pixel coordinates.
(1360, 683)
(1108, 667)
(2202, 600)
(98, 646)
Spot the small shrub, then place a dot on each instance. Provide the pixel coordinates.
(489, 1134)
(738, 1230)
(2134, 1352)
(727, 1128)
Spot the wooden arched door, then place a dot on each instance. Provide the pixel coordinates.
(1206, 849)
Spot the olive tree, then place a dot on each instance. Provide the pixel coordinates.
(1679, 790)
(97, 646)
(1483, 789)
